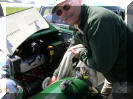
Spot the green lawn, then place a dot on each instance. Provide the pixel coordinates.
(10, 10)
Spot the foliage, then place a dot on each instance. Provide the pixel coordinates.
(10, 10)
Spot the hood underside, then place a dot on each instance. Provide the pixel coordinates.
(21, 25)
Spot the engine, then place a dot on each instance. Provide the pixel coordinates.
(37, 58)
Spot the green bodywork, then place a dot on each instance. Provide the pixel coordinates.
(50, 30)
(77, 87)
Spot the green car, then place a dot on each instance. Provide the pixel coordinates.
(32, 50)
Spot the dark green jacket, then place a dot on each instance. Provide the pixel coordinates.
(105, 37)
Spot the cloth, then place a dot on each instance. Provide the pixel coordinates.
(66, 67)
(105, 37)
(66, 63)
(107, 88)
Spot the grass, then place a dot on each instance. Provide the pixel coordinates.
(10, 10)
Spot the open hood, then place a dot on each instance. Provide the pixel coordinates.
(20, 26)
(3, 42)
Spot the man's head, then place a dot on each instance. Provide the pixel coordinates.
(68, 10)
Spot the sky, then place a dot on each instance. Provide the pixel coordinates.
(43, 2)
(122, 3)
(39, 1)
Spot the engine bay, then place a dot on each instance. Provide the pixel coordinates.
(37, 58)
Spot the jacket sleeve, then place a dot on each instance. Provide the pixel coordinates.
(104, 45)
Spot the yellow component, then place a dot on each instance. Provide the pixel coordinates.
(51, 52)
(86, 77)
(51, 48)
(85, 74)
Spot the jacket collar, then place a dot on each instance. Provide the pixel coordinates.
(83, 16)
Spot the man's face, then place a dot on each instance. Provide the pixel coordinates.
(69, 12)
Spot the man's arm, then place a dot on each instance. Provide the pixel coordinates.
(104, 45)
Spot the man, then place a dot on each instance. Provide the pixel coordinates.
(104, 34)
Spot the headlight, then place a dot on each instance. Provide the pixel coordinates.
(5, 68)
(8, 89)
(2, 89)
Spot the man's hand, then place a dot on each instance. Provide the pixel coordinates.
(76, 49)
(53, 79)
(75, 52)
